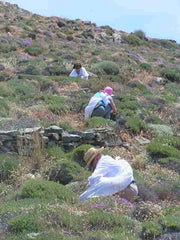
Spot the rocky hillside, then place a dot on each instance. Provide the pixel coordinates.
(40, 104)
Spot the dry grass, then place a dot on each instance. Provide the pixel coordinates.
(75, 120)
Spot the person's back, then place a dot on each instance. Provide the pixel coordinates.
(101, 104)
(110, 176)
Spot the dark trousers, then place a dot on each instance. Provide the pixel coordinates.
(102, 111)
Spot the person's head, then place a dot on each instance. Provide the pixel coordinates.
(92, 156)
(108, 90)
(77, 67)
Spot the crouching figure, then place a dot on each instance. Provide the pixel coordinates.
(101, 104)
(110, 176)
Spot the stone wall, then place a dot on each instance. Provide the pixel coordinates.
(24, 141)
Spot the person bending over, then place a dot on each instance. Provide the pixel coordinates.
(110, 177)
(101, 104)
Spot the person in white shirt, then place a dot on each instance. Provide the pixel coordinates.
(101, 104)
(110, 176)
(79, 71)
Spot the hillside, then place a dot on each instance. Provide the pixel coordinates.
(36, 56)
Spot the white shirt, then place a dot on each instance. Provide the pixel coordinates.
(93, 102)
(82, 73)
(110, 176)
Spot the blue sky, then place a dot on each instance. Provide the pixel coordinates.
(157, 18)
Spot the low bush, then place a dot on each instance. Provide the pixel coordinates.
(151, 230)
(140, 34)
(56, 104)
(55, 70)
(78, 154)
(135, 124)
(160, 130)
(66, 126)
(126, 103)
(170, 223)
(34, 50)
(55, 153)
(146, 66)
(32, 70)
(21, 90)
(97, 122)
(162, 147)
(8, 164)
(107, 67)
(168, 44)
(172, 75)
(23, 223)
(66, 171)
(132, 39)
(45, 190)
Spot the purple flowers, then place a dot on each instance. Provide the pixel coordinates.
(27, 43)
(134, 55)
(98, 29)
(102, 205)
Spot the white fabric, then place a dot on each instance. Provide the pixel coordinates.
(110, 176)
(82, 73)
(93, 102)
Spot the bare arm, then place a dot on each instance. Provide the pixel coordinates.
(114, 110)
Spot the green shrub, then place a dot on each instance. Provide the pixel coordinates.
(32, 70)
(21, 91)
(56, 104)
(151, 230)
(55, 70)
(146, 66)
(143, 89)
(140, 34)
(164, 147)
(126, 103)
(66, 126)
(135, 124)
(78, 153)
(4, 109)
(170, 223)
(24, 223)
(132, 39)
(172, 90)
(168, 44)
(160, 130)
(172, 75)
(155, 120)
(105, 67)
(106, 220)
(70, 37)
(67, 171)
(97, 122)
(8, 164)
(56, 153)
(34, 50)
(45, 190)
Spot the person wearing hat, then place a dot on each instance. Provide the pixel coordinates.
(111, 176)
(79, 71)
(101, 104)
